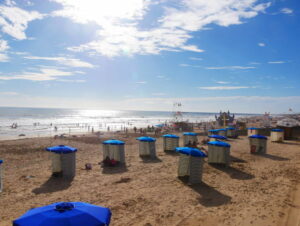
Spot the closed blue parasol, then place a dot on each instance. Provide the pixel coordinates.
(65, 214)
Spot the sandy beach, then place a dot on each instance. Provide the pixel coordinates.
(254, 190)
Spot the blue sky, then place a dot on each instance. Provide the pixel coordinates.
(241, 55)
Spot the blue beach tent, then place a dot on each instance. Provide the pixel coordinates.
(146, 139)
(114, 142)
(170, 136)
(61, 149)
(65, 214)
(189, 134)
(277, 130)
(217, 137)
(190, 151)
(258, 137)
(218, 143)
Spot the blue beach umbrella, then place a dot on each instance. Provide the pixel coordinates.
(160, 125)
(65, 214)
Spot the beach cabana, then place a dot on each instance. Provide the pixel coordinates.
(231, 132)
(1, 185)
(258, 144)
(171, 142)
(277, 135)
(66, 214)
(63, 160)
(114, 151)
(147, 147)
(190, 163)
(252, 131)
(290, 126)
(213, 132)
(218, 152)
(222, 132)
(217, 137)
(189, 138)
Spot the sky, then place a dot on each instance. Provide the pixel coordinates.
(237, 55)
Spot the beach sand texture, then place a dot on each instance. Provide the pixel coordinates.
(254, 190)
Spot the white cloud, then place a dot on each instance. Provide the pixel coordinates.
(120, 33)
(255, 63)
(191, 48)
(261, 44)
(9, 93)
(71, 81)
(14, 20)
(222, 82)
(184, 65)
(276, 62)
(39, 74)
(19, 53)
(4, 57)
(10, 2)
(141, 82)
(195, 58)
(3, 47)
(230, 68)
(70, 62)
(286, 11)
(224, 87)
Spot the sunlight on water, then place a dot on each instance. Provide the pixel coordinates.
(98, 113)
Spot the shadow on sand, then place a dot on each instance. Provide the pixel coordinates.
(289, 143)
(53, 184)
(171, 153)
(114, 169)
(147, 159)
(235, 159)
(210, 197)
(273, 157)
(233, 172)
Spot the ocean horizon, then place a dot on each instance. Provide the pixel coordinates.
(36, 122)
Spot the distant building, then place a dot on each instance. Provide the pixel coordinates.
(224, 119)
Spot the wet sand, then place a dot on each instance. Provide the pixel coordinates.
(254, 190)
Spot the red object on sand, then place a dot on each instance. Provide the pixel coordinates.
(253, 149)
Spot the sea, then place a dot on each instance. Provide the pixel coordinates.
(16, 123)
